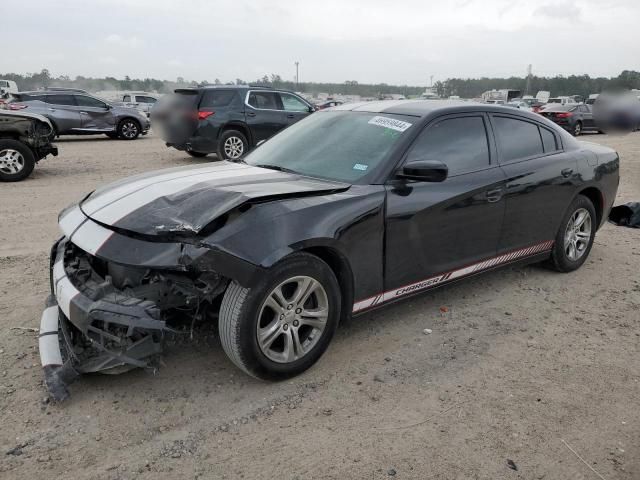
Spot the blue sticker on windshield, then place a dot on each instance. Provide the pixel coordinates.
(360, 166)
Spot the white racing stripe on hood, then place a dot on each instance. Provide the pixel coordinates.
(118, 190)
(71, 219)
(90, 237)
(111, 213)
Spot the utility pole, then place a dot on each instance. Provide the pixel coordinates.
(297, 76)
(431, 81)
(528, 84)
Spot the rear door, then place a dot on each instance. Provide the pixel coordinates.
(95, 114)
(432, 228)
(540, 181)
(63, 111)
(295, 108)
(264, 114)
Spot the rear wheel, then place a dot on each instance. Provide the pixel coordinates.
(232, 145)
(281, 326)
(574, 239)
(16, 161)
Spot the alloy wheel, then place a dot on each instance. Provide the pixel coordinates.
(11, 161)
(233, 147)
(129, 130)
(292, 319)
(577, 235)
(577, 129)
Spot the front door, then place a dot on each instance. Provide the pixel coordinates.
(264, 115)
(295, 108)
(95, 114)
(439, 231)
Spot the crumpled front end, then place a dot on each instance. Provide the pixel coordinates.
(108, 317)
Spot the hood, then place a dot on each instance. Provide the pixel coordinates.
(22, 114)
(186, 200)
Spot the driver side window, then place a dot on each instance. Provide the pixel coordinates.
(460, 143)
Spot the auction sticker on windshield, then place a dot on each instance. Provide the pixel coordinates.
(391, 123)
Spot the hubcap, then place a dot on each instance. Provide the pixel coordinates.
(11, 161)
(578, 129)
(577, 234)
(233, 147)
(292, 319)
(129, 130)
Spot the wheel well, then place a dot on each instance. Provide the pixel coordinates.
(595, 196)
(241, 128)
(341, 269)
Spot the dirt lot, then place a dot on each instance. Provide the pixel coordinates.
(524, 365)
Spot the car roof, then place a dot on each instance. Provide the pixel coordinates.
(424, 108)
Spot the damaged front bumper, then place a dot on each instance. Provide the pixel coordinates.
(98, 329)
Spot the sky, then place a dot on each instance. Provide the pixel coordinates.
(370, 41)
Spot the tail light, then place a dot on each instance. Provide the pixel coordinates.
(203, 114)
(564, 115)
(17, 106)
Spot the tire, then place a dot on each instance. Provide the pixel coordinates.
(128, 129)
(16, 160)
(197, 154)
(561, 259)
(244, 312)
(577, 129)
(232, 145)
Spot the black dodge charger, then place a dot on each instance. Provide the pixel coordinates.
(346, 211)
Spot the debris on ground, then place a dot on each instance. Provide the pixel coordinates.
(511, 464)
(427, 331)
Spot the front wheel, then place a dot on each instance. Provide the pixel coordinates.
(281, 326)
(16, 161)
(575, 237)
(577, 129)
(232, 145)
(128, 129)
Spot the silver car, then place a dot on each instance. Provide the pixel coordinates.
(76, 112)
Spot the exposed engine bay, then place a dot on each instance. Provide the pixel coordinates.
(128, 314)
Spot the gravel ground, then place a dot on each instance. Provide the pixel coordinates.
(523, 368)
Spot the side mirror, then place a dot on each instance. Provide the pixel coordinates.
(425, 171)
(312, 109)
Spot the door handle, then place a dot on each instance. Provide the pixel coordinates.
(251, 114)
(52, 109)
(85, 113)
(566, 172)
(290, 115)
(494, 195)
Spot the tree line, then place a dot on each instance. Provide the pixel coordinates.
(463, 87)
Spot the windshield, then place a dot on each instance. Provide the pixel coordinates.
(340, 145)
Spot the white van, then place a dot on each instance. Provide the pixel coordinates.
(7, 87)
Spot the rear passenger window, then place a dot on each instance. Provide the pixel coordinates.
(548, 140)
(216, 98)
(264, 100)
(518, 139)
(461, 143)
(60, 99)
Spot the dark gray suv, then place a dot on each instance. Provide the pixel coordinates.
(76, 112)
